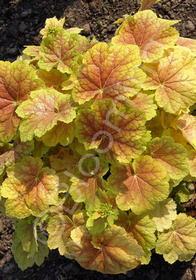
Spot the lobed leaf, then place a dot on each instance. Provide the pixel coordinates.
(146, 4)
(174, 80)
(141, 186)
(17, 80)
(42, 111)
(178, 242)
(29, 188)
(124, 137)
(187, 125)
(109, 72)
(114, 251)
(172, 155)
(151, 34)
(188, 43)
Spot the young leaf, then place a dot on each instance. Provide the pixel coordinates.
(41, 112)
(140, 187)
(51, 25)
(172, 155)
(124, 137)
(164, 214)
(178, 242)
(17, 80)
(59, 50)
(109, 71)
(174, 80)
(153, 35)
(29, 188)
(114, 251)
(27, 250)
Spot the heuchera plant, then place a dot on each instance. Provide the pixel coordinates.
(98, 145)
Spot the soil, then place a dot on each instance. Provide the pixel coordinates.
(20, 23)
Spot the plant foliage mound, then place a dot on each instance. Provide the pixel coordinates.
(98, 145)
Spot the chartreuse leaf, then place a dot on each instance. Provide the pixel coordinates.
(174, 79)
(114, 251)
(17, 80)
(26, 248)
(146, 4)
(178, 242)
(151, 34)
(172, 155)
(188, 43)
(51, 25)
(114, 133)
(142, 228)
(164, 214)
(62, 133)
(59, 229)
(30, 188)
(59, 50)
(41, 112)
(145, 103)
(187, 124)
(109, 72)
(139, 186)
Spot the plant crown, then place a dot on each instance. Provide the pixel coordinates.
(98, 145)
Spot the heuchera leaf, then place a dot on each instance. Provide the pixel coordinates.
(62, 133)
(188, 43)
(192, 164)
(17, 80)
(27, 250)
(178, 242)
(41, 112)
(29, 188)
(187, 124)
(119, 133)
(59, 50)
(109, 71)
(146, 4)
(164, 214)
(114, 251)
(142, 228)
(59, 229)
(51, 25)
(174, 80)
(153, 35)
(172, 155)
(139, 187)
(145, 103)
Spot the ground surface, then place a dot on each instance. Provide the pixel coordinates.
(20, 22)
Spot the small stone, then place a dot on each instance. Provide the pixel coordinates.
(190, 26)
(110, 28)
(86, 29)
(13, 51)
(22, 27)
(26, 13)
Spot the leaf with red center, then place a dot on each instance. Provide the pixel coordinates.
(146, 4)
(59, 50)
(188, 43)
(139, 187)
(29, 188)
(114, 133)
(51, 25)
(172, 155)
(42, 111)
(114, 251)
(17, 80)
(178, 242)
(187, 124)
(153, 35)
(174, 80)
(109, 72)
